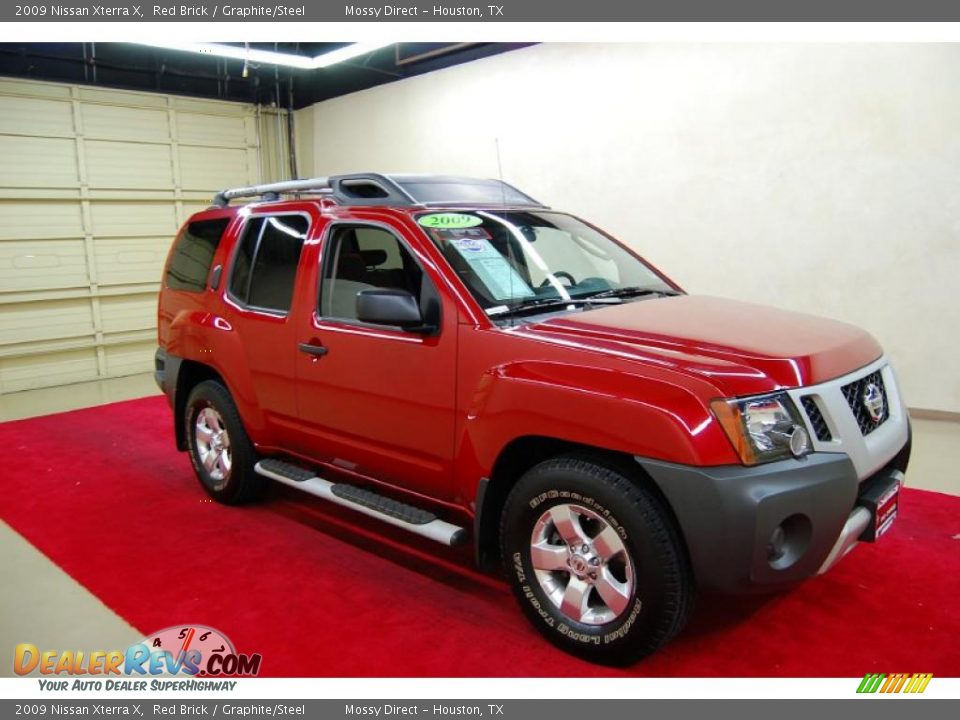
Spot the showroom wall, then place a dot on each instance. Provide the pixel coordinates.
(93, 186)
(820, 178)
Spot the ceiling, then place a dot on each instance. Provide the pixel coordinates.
(138, 67)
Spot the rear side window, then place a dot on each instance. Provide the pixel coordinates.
(265, 266)
(193, 252)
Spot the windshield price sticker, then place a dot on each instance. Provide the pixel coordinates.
(448, 235)
(449, 220)
(493, 269)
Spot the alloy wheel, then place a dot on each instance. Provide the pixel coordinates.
(582, 564)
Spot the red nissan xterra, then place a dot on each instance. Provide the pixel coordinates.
(450, 356)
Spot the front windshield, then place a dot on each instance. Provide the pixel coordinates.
(515, 259)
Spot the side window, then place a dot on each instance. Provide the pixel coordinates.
(360, 258)
(193, 253)
(265, 266)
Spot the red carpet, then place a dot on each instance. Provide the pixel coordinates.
(103, 493)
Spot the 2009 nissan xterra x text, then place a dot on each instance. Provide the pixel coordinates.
(451, 357)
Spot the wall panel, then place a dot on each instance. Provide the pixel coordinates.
(93, 186)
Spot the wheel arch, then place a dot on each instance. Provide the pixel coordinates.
(190, 374)
(523, 453)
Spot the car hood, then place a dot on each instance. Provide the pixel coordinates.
(740, 348)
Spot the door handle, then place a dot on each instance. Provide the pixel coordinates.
(313, 349)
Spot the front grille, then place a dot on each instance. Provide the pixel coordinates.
(858, 394)
(817, 422)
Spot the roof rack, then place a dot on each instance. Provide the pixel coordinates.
(394, 190)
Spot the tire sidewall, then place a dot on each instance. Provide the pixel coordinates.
(213, 395)
(617, 641)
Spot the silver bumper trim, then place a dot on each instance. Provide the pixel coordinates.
(852, 530)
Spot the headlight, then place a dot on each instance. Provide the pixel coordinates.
(763, 428)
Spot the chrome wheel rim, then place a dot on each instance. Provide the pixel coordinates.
(213, 446)
(582, 564)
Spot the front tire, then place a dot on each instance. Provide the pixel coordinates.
(595, 561)
(222, 455)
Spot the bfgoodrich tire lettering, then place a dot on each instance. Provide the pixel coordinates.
(611, 581)
(222, 455)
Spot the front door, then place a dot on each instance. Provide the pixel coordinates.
(377, 400)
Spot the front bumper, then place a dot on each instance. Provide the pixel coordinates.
(729, 516)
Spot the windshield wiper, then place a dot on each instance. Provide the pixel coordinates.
(605, 297)
(547, 303)
(628, 292)
(544, 304)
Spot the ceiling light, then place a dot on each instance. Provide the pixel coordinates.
(346, 53)
(269, 57)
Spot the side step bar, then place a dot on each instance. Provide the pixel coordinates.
(398, 514)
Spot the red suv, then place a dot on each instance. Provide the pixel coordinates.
(450, 356)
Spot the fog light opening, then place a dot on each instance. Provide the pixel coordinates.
(776, 548)
(789, 542)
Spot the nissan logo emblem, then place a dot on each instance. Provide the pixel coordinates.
(873, 402)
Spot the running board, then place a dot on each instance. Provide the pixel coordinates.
(392, 512)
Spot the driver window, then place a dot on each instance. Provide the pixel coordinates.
(357, 258)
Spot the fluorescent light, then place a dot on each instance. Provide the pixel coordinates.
(346, 53)
(238, 53)
(268, 57)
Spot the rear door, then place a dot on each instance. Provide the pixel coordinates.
(259, 290)
(378, 400)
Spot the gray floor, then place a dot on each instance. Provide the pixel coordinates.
(43, 605)
(39, 602)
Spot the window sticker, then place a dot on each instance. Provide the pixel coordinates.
(493, 269)
(445, 235)
(449, 220)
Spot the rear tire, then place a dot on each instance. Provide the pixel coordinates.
(595, 560)
(222, 455)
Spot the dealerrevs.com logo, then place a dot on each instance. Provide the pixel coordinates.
(183, 650)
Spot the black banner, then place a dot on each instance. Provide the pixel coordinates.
(539, 11)
(559, 709)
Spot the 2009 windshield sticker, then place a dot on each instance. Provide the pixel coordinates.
(449, 220)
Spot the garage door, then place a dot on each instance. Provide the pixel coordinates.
(93, 185)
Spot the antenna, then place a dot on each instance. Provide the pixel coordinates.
(503, 204)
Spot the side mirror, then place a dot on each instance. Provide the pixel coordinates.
(390, 307)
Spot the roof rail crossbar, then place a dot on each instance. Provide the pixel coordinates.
(271, 190)
(395, 190)
(356, 188)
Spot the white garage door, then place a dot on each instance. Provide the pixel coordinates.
(93, 185)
